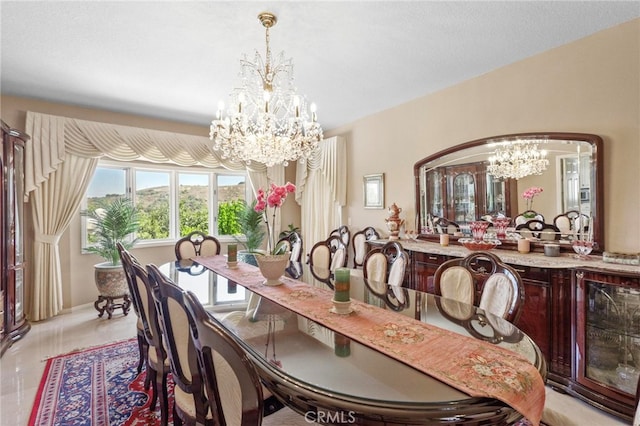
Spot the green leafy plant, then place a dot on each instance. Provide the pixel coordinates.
(228, 217)
(290, 230)
(111, 223)
(251, 226)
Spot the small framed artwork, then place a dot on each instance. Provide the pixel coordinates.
(374, 191)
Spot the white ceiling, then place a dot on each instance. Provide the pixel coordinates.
(176, 59)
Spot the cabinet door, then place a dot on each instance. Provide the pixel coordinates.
(463, 198)
(424, 268)
(535, 313)
(17, 231)
(608, 338)
(435, 193)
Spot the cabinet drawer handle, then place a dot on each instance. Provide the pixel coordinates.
(520, 271)
(433, 257)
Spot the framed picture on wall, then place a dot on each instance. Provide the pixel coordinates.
(374, 191)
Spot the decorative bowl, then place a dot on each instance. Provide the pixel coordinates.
(475, 245)
(582, 248)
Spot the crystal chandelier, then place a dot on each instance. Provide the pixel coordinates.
(266, 122)
(517, 159)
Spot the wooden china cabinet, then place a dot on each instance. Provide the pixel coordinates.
(465, 192)
(13, 323)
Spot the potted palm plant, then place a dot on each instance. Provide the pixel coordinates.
(110, 223)
(252, 228)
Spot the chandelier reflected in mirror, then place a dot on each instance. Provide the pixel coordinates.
(517, 159)
(266, 121)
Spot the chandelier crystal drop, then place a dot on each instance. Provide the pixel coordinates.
(266, 121)
(517, 159)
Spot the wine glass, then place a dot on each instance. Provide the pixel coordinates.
(583, 248)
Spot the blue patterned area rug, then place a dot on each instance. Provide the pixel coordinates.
(96, 386)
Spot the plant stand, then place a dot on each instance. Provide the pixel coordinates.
(109, 305)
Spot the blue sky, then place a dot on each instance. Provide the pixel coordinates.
(112, 180)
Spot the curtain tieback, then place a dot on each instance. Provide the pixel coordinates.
(47, 239)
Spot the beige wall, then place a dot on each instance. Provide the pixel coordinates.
(589, 86)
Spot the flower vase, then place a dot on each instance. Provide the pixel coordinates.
(501, 224)
(272, 267)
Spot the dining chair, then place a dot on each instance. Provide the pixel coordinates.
(293, 242)
(445, 226)
(359, 243)
(189, 402)
(328, 254)
(345, 236)
(157, 360)
(126, 258)
(196, 244)
(387, 264)
(571, 222)
(539, 230)
(481, 279)
(526, 216)
(235, 392)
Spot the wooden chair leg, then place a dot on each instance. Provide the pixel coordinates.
(161, 384)
(142, 349)
(151, 376)
(177, 420)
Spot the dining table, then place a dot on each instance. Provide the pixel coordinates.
(397, 356)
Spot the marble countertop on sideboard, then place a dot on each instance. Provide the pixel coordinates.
(565, 260)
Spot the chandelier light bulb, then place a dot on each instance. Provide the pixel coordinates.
(271, 125)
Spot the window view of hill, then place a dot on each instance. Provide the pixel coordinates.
(194, 206)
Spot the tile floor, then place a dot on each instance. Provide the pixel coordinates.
(22, 365)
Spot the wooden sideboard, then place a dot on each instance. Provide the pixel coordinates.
(559, 291)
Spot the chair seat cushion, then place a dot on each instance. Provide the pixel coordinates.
(184, 401)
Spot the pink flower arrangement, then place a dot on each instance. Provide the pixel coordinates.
(529, 194)
(273, 198)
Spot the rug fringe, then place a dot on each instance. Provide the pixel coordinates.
(86, 348)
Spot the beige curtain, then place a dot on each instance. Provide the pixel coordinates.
(59, 163)
(322, 190)
(54, 204)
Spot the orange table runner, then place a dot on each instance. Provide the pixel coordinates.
(475, 367)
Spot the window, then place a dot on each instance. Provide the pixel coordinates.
(172, 201)
(107, 184)
(154, 207)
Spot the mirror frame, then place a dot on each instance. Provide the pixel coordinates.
(597, 178)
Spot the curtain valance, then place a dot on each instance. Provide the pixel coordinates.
(54, 136)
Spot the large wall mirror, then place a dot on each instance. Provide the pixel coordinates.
(463, 184)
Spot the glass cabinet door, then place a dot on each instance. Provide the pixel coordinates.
(434, 193)
(496, 201)
(18, 158)
(610, 347)
(464, 198)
